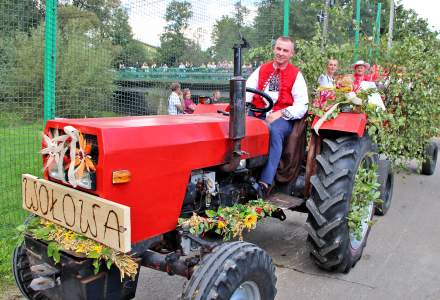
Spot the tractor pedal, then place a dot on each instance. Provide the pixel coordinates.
(284, 201)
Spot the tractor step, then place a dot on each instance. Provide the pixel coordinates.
(284, 201)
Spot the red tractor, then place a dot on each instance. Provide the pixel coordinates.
(149, 171)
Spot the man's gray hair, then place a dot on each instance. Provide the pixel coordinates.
(286, 39)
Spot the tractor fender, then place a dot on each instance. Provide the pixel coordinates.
(345, 122)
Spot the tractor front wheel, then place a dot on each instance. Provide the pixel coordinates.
(237, 270)
(333, 245)
(23, 275)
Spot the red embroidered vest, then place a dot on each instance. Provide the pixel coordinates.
(287, 79)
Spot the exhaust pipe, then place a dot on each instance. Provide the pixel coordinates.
(237, 115)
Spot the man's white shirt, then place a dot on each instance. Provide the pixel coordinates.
(173, 100)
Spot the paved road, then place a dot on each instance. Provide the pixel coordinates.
(401, 260)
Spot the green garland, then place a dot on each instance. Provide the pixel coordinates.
(365, 191)
(229, 222)
(59, 239)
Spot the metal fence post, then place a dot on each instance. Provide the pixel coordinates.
(286, 17)
(357, 29)
(391, 25)
(377, 35)
(50, 46)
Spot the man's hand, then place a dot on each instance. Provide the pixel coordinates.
(273, 116)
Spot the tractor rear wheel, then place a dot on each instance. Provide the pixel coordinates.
(333, 245)
(23, 275)
(237, 270)
(431, 152)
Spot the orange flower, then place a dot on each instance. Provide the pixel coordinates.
(83, 159)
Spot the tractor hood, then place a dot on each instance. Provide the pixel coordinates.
(160, 152)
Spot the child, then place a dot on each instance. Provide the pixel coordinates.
(189, 105)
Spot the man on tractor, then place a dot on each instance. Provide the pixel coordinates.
(286, 85)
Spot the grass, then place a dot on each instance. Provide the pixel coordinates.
(19, 146)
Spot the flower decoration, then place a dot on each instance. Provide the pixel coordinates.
(229, 222)
(250, 221)
(59, 238)
(83, 160)
(55, 150)
(76, 161)
(327, 105)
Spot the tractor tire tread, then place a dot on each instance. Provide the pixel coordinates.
(330, 201)
(224, 268)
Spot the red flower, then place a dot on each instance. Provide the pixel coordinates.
(259, 210)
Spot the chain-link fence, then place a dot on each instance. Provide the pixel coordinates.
(21, 101)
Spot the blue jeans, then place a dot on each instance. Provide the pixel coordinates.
(279, 131)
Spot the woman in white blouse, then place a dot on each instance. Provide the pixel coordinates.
(327, 79)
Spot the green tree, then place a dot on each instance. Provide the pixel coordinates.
(84, 83)
(103, 9)
(177, 15)
(224, 36)
(119, 30)
(172, 41)
(408, 23)
(114, 26)
(194, 54)
(133, 54)
(227, 30)
(23, 15)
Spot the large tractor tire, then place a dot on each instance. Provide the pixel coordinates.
(333, 246)
(431, 152)
(233, 271)
(385, 178)
(22, 274)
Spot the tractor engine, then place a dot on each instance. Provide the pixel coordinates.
(209, 189)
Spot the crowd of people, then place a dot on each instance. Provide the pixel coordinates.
(286, 85)
(188, 66)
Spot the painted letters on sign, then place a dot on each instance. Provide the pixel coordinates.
(97, 218)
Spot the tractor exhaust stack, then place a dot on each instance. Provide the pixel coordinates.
(237, 116)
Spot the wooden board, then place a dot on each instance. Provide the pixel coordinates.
(97, 218)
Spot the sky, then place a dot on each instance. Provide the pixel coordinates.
(427, 9)
(146, 17)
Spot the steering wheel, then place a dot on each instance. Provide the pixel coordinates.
(265, 96)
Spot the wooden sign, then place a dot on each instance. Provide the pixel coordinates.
(97, 218)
